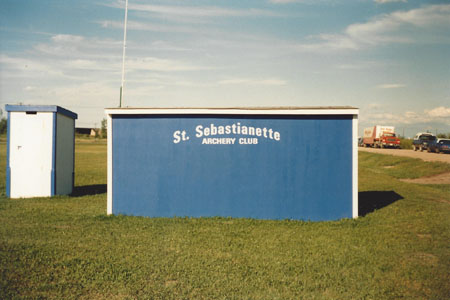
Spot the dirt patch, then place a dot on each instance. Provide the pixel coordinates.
(424, 235)
(170, 283)
(410, 153)
(425, 258)
(435, 179)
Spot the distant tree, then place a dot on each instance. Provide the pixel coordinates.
(3, 123)
(104, 129)
(405, 143)
(441, 135)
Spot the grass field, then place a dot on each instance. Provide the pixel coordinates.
(67, 248)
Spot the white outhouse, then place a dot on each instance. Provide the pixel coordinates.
(40, 151)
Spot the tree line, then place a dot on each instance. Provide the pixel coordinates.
(3, 123)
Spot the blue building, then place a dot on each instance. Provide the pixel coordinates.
(264, 163)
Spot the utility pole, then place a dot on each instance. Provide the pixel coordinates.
(123, 55)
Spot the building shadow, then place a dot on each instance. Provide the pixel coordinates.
(85, 190)
(373, 200)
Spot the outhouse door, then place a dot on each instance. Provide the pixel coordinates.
(31, 153)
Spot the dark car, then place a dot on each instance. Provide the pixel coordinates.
(422, 140)
(360, 142)
(440, 146)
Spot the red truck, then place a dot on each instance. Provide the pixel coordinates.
(380, 137)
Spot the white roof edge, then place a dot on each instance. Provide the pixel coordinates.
(236, 111)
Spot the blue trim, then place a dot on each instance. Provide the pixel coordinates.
(8, 167)
(53, 172)
(66, 112)
(109, 184)
(41, 108)
(73, 156)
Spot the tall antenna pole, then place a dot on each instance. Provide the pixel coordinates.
(123, 56)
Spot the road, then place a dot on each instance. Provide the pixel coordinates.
(410, 153)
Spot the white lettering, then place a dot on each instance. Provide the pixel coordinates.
(232, 129)
(248, 141)
(218, 141)
(276, 136)
(198, 129)
(213, 129)
(176, 136)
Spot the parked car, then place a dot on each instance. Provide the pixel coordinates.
(422, 140)
(440, 146)
(360, 142)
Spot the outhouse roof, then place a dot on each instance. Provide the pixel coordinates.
(41, 108)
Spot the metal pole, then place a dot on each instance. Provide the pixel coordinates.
(123, 56)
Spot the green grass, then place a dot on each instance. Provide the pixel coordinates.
(67, 248)
(399, 167)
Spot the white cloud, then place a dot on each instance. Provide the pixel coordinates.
(159, 64)
(439, 112)
(436, 115)
(30, 88)
(67, 38)
(17, 67)
(80, 71)
(361, 65)
(297, 1)
(63, 46)
(389, 28)
(433, 15)
(64, 57)
(68, 56)
(391, 86)
(196, 12)
(374, 106)
(252, 81)
(202, 37)
(282, 1)
(389, 1)
(428, 24)
(200, 11)
(134, 25)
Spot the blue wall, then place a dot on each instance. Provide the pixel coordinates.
(306, 174)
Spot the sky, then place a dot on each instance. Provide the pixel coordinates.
(389, 58)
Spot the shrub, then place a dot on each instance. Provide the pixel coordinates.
(3, 125)
(103, 132)
(405, 143)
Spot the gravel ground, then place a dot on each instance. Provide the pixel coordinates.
(436, 179)
(443, 157)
